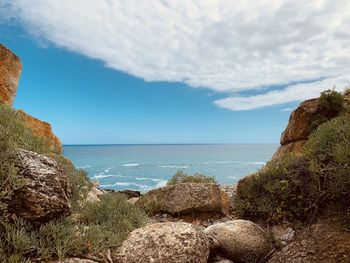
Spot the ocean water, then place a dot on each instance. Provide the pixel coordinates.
(143, 167)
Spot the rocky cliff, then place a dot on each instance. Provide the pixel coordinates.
(42, 129)
(299, 128)
(10, 70)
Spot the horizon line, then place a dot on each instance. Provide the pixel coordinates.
(130, 144)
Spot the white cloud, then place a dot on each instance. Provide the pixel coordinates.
(225, 45)
(287, 109)
(291, 93)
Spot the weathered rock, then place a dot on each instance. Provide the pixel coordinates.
(74, 260)
(296, 148)
(133, 200)
(186, 198)
(238, 240)
(300, 122)
(44, 195)
(95, 193)
(282, 234)
(130, 193)
(42, 129)
(10, 71)
(323, 243)
(219, 259)
(164, 242)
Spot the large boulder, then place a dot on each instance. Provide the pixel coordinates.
(300, 122)
(164, 242)
(10, 71)
(325, 242)
(296, 148)
(299, 128)
(238, 240)
(43, 130)
(44, 195)
(186, 198)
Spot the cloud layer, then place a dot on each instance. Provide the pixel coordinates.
(225, 45)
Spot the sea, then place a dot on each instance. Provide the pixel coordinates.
(144, 167)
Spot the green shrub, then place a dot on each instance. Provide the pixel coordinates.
(181, 177)
(17, 241)
(115, 214)
(13, 135)
(284, 189)
(100, 225)
(331, 106)
(329, 145)
(301, 188)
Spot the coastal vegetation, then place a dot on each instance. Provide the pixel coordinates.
(182, 177)
(91, 228)
(302, 187)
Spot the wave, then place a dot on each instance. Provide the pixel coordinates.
(100, 176)
(130, 164)
(174, 166)
(108, 169)
(85, 166)
(223, 162)
(256, 163)
(128, 184)
(161, 184)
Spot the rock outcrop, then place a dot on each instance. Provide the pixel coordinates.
(186, 198)
(325, 242)
(164, 242)
(44, 195)
(43, 130)
(10, 71)
(299, 128)
(238, 240)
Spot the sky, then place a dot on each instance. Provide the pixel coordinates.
(180, 71)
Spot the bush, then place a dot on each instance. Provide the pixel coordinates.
(300, 188)
(284, 189)
(16, 241)
(331, 106)
(100, 225)
(13, 135)
(181, 177)
(115, 214)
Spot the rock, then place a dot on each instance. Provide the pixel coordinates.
(282, 234)
(44, 195)
(219, 259)
(74, 260)
(133, 200)
(42, 129)
(292, 147)
(10, 71)
(239, 240)
(300, 122)
(186, 198)
(130, 193)
(95, 193)
(325, 242)
(164, 242)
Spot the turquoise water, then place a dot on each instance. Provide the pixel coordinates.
(143, 167)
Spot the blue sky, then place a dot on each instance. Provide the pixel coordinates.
(130, 88)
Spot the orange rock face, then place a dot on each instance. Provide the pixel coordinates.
(299, 128)
(42, 129)
(10, 71)
(300, 122)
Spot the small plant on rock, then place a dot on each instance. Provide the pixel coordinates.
(181, 177)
